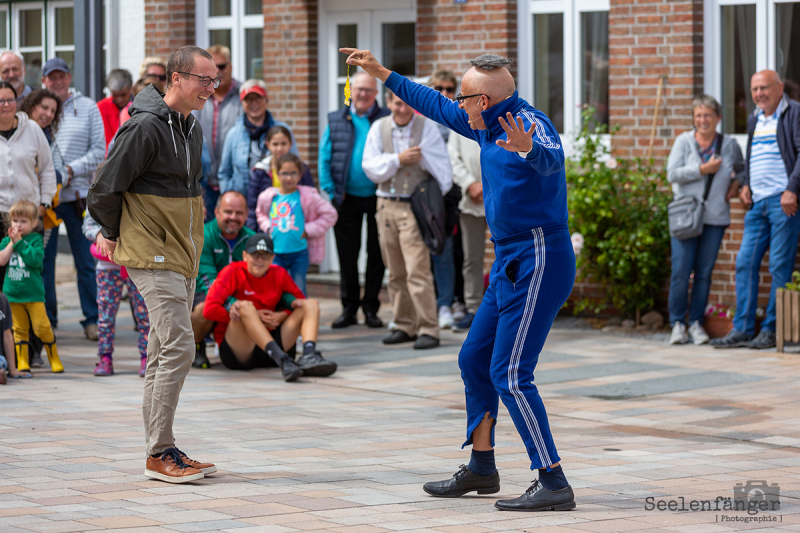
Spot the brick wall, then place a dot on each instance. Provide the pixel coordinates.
(291, 70)
(168, 24)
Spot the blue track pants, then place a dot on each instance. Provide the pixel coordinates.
(531, 278)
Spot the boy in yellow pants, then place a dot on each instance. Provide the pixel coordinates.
(23, 251)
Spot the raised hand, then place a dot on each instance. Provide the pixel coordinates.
(518, 140)
(367, 61)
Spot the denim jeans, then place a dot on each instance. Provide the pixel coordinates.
(49, 277)
(297, 265)
(697, 255)
(210, 197)
(765, 225)
(444, 274)
(84, 262)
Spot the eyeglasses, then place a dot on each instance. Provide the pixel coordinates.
(460, 97)
(205, 81)
(7, 101)
(161, 77)
(288, 174)
(448, 90)
(223, 66)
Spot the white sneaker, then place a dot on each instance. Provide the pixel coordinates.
(679, 335)
(459, 310)
(698, 334)
(446, 320)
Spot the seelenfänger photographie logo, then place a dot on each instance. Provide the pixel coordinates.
(752, 497)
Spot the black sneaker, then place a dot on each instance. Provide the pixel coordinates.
(313, 364)
(465, 323)
(765, 339)
(200, 359)
(462, 482)
(538, 498)
(290, 370)
(426, 342)
(37, 361)
(734, 339)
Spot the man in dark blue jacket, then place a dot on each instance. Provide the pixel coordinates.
(769, 191)
(353, 195)
(525, 195)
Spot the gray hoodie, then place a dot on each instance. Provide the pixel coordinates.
(683, 172)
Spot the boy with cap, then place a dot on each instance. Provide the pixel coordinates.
(250, 332)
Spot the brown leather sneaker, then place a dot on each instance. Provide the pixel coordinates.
(170, 467)
(205, 468)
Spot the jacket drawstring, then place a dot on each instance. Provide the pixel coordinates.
(171, 132)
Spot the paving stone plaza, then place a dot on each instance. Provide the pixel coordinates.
(637, 423)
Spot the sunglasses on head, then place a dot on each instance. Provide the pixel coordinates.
(439, 88)
(223, 66)
(161, 77)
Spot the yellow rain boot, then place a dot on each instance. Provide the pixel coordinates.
(22, 357)
(52, 356)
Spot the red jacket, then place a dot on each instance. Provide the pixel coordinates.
(235, 281)
(110, 113)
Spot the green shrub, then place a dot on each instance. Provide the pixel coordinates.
(622, 214)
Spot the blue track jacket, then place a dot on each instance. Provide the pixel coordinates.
(519, 194)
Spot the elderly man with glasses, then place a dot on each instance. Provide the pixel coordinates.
(353, 195)
(217, 120)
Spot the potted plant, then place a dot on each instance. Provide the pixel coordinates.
(718, 320)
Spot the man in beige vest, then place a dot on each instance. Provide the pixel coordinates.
(401, 151)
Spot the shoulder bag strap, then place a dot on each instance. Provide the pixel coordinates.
(710, 179)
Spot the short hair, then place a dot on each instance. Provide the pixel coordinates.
(275, 130)
(24, 208)
(223, 195)
(7, 85)
(15, 54)
(443, 75)
(149, 62)
(220, 49)
(289, 158)
(34, 99)
(119, 79)
(708, 101)
(182, 60)
(141, 83)
(388, 94)
(490, 62)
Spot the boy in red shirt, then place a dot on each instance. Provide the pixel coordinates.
(250, 333)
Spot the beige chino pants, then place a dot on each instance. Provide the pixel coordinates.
(170, 350)
(473, 240)
(409, 262)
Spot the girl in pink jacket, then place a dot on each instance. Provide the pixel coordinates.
(296, 217)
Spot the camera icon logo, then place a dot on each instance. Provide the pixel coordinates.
(755, 495)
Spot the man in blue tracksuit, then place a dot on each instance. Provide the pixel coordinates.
(525, 195)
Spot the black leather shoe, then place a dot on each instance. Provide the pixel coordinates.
(313, 364)
(538, 498)
(399, 336)
(425, 342)
(373, 321)
(344, 321)
(462, 482)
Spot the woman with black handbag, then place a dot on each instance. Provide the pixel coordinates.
(705, 166)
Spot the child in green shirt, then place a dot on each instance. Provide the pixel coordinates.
(23, 252)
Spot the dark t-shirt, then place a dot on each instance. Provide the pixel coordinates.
(5, 320)
(8, 133)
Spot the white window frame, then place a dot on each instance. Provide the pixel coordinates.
(4, 13)
(51, 28)
(572, 10)
(15, 33)
(237, 23)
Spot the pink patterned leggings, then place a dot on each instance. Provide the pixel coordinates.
(109, 291)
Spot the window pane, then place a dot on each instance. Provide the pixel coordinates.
(252, 7)
(788, 47)
(594, 70)
(69, 57)
(4, 29)
(30, 27)
(548, 66)
(222, 37)
(219, 8)
(738, 65)
(33, 68)
(399, 48)
(253, 53)
(64, 28)
(347, 37)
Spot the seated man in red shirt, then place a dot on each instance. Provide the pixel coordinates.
(250, 333)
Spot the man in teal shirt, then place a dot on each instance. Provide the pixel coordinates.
(353, 195)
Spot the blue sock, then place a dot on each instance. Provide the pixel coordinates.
(553, 479)
(482, 463)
